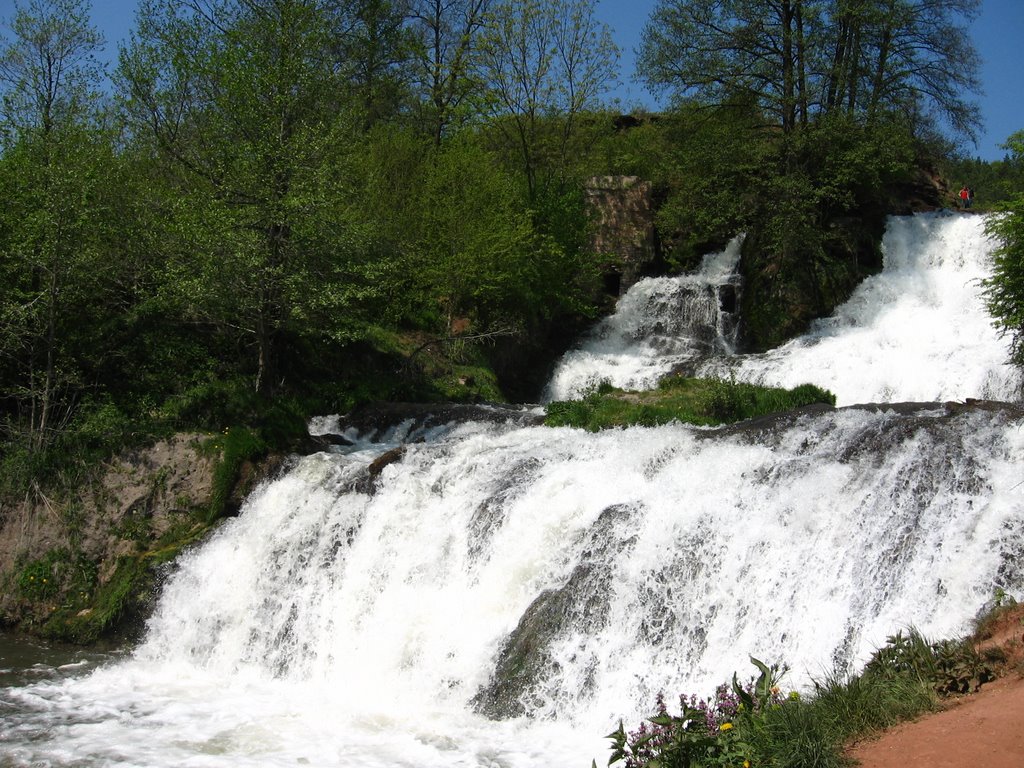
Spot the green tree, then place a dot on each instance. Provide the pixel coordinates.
(912, 56)
(796, 59)
(544, 64)
(447, 33)
(730, 53)
(373, 49)
(53, 169)
(1004, 291)
(467, 247)
(240, 97)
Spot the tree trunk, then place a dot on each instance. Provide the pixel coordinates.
(878, 83)
(788, 69)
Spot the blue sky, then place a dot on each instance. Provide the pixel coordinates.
(998, 36)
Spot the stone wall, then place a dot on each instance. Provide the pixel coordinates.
(623, 211)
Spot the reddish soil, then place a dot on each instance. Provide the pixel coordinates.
(983, 730)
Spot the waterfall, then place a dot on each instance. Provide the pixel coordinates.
(660, 325)
(502, 594)
(918, 331)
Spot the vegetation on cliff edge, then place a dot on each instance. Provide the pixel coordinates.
(707, 402)
(756, 724)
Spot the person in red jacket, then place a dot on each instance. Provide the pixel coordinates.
(965, 198)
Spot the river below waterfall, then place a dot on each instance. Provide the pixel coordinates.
(501, 595)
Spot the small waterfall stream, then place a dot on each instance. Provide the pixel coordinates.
(503, 594)
(660, 325)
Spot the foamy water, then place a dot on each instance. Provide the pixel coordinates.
(919, 331)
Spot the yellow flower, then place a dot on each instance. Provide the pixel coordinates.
(746, 764)
(725, 726)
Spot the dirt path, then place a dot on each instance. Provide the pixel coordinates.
(983, 730)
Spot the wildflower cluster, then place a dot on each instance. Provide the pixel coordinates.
(706, 732)
(37, 581)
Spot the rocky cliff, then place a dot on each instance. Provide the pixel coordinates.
(81, 568)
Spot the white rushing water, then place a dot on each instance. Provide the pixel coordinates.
(917, 331)
(660, 324)
(340, 621)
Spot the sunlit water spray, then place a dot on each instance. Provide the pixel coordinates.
(551, 579)
(661, 324)
(919, 331)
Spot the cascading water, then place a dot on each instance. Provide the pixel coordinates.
(501, 594)
(918, 331)
(660, 325)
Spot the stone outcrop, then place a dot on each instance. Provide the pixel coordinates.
(59, 557)
(526, 659)
(623, 211)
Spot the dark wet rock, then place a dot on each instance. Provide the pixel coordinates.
(526, 660)
(489, 516)
(367, 482)
(321, 443)
(928, 415)
(375, 420)
(386, 458)
(250, 475)
(330, 439)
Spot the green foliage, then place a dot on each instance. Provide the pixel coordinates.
(1004, 290)
(99, 427)
(734, 401)
(119, 605)
(543, 65)
(211, 405)
(705, 733)
(696, 401)
(237, 445)
(949, 666)
(37, 580)
(58, 575)
(94, 433)
(815, 231)
(112, 602)
(808, 59)
(756, 725)
(710, 164)
(995, 183)
(865, 703)
(258, 245)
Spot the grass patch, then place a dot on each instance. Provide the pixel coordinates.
(236, 446)
(58, 573)
(705, 402)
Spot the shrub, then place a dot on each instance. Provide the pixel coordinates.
(949, 666)
(755, 725)
(58, 574)
(729, 401)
